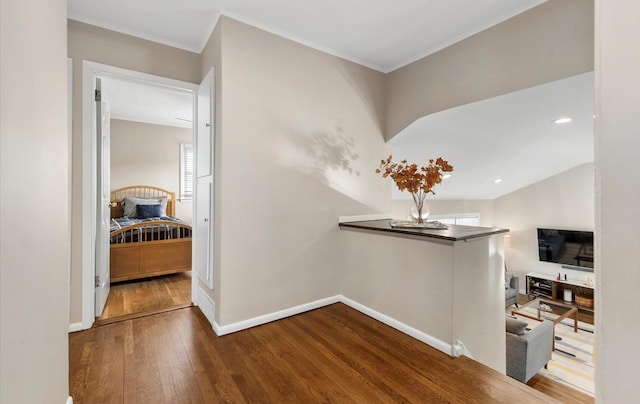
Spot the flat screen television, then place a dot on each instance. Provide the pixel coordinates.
(571, 248)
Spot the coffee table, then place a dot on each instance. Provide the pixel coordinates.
(559, 311)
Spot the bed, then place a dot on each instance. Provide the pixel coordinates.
(146, 238)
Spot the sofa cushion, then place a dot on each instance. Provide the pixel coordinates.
(515, 326)
(507, 279)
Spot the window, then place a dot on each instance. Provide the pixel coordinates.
(186, 171)
(466, 219)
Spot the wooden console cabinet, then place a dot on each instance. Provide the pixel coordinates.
(549, 287)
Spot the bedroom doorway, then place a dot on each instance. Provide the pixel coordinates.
(150, 159)
(149, 151)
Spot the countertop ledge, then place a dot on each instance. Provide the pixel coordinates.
(454, 233)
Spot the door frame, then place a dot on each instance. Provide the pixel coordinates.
(90, 70)
(103, 174)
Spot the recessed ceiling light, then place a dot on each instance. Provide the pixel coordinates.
(446, 176)
(498, 180)
(565, 119)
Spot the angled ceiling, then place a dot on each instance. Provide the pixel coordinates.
(510, 137)
(379, 34)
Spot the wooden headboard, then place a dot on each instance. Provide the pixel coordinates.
(141, 191)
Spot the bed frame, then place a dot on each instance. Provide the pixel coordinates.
(166, 251)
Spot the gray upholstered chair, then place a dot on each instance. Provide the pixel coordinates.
(527, 351)
(512, 289)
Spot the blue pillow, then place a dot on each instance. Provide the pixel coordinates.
(147, 211)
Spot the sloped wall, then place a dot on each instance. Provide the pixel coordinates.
(546, 43)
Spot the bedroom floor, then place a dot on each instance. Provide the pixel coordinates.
(145, 296)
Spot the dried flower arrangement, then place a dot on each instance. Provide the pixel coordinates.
(419, 181)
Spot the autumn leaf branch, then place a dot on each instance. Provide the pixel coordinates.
(419, 181)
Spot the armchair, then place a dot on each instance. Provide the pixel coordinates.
(529, 351)
(512, 289)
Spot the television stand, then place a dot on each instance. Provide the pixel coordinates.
(549, 287)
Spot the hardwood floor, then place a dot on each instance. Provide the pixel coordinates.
(144, 296)
(332, 354)
(559, 391)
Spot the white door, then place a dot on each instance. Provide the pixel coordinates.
(203, 230)
(205, 127)
(103, 117)
(203, 221)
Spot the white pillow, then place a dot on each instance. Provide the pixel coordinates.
(129, 204)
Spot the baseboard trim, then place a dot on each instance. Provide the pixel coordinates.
(206, 305)
(70, 400)
(73, 327)
(278, 315)
(400, 326)
(391, 322)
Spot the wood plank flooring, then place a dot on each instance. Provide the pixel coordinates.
(559, 391)
(156, 294)
(332, 354)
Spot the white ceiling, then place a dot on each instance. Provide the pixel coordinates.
(140, 102)
(511, 137)
(381, 34)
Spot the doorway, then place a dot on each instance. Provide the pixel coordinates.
(150, 146)
(91, 193)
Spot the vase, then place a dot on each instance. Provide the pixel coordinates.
(419, 214)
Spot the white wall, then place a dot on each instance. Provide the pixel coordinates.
(148, 154)
(564, 201)
(432, 286)
(408, 279)
(301, 135)
(618, 200)
(478, 300)
(34, 246)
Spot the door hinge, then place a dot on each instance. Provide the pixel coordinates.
(97, 281)
(98, 95)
